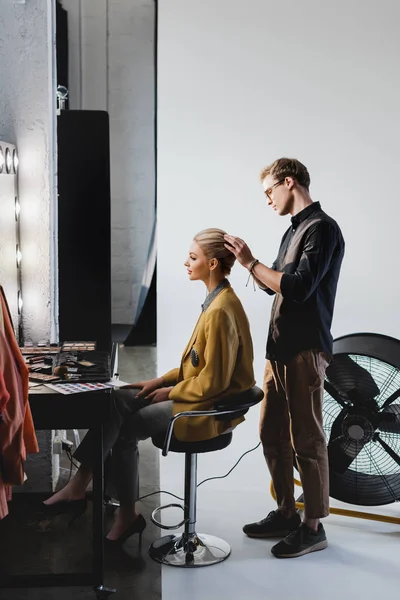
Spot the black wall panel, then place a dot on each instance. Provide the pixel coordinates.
(84, 244)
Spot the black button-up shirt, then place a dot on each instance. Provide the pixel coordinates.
(310, 257)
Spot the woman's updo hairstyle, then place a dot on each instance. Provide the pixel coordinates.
(212, 243)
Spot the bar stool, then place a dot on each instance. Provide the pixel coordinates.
(191, 549)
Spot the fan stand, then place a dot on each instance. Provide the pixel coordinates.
(355, 514)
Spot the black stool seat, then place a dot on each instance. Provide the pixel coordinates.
(217, 443)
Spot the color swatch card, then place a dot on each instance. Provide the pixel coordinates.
(76, 388)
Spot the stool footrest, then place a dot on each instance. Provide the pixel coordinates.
(159, 509)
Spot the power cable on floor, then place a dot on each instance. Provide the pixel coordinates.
(204, 480)
(160, 492)
(72, 462)
(230, 471)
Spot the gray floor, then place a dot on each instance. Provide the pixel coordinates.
(33, 547)
(361, 561)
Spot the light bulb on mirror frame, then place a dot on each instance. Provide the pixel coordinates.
(15, 161)
(19, 256)
(1, 160)
(17, 209)
(20, 302)
(8, 161)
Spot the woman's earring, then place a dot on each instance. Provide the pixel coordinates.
(209, 283)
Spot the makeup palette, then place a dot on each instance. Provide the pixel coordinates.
(82, 346)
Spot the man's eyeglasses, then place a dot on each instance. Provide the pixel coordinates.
(268, 192)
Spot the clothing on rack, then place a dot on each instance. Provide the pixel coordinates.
(17, 432)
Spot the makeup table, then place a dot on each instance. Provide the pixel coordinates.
(88, 410)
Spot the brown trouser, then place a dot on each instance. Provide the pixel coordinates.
(291, 419)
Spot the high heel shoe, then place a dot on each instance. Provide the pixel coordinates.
(74, 508)
(137, 527)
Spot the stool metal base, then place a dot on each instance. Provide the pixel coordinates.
(196, 550)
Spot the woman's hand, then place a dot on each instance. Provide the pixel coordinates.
(146, 387)
(160, 395)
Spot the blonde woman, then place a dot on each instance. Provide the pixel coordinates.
(217, 362)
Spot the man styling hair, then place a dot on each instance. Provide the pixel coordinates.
(303, 279)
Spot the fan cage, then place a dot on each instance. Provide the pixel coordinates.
(373, 477)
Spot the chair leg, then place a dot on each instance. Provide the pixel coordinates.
(189, 549)
(190, 493)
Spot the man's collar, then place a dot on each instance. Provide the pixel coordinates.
(303, 214)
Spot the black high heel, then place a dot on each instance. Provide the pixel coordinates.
(75, 508)
(137, 527)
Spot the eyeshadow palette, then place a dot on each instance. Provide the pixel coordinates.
(82, 346)
(43, 378)
(34, 350)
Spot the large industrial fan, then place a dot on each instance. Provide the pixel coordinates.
(362, 419)
(362, 424)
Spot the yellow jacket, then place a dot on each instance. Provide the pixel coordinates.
(223, 366)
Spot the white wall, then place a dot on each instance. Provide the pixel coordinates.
(111, 53)
(26, 120)
(241, 84)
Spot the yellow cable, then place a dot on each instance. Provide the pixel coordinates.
(355, 514)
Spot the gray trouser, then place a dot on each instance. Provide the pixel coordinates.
(130, 421)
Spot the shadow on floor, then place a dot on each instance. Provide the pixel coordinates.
(31, 544)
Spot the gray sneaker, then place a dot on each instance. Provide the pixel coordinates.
(302, 540)
(275, 525)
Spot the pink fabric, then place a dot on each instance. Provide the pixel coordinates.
(3, 500)
(4, 395)
(30, 444)
(11, 427)
(17, 433)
